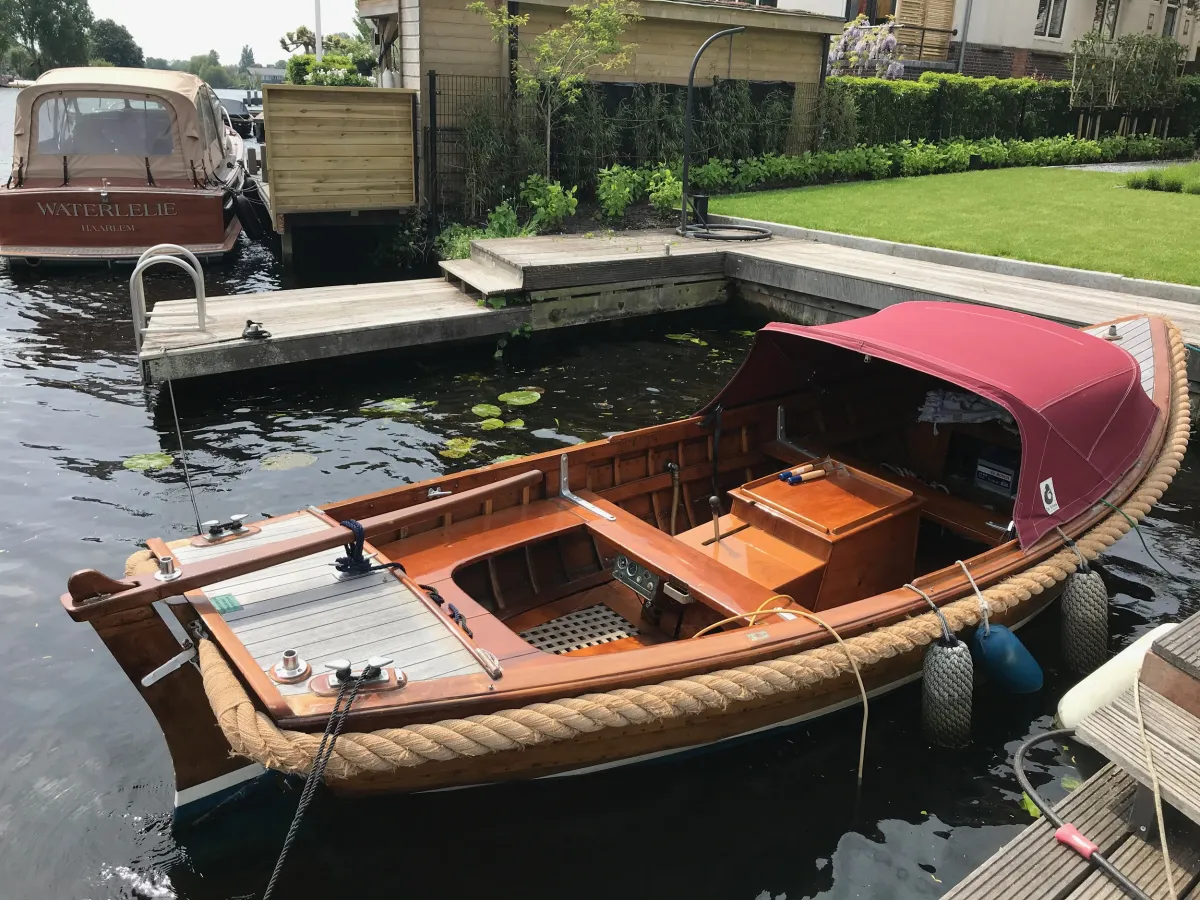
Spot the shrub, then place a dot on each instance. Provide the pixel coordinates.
(665, 191)
(332, 69)
(550, 203)
(1153, 181)
(617, 187)
(714, 175)
(1192, 187)
(455, 241)
(1136, 181)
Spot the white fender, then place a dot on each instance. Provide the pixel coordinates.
(1107, 683)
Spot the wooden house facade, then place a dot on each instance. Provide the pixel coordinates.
(417, 36)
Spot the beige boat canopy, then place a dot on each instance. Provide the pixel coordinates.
(112, 122)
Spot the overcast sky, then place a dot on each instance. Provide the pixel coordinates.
(176, 30)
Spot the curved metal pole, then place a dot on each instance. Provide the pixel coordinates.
(687, 122)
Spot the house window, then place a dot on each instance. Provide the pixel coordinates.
(1107, 12)
(1169, 19)
(1050, 18)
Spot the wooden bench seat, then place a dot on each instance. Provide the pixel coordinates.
(711, 583)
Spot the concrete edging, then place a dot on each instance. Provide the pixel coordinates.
(1105, 281)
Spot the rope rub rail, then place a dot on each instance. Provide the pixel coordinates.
(254, 735)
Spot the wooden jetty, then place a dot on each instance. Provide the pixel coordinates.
(556, 281)
(1114, 808)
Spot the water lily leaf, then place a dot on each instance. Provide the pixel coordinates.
(520, 398)
(457, 448)
(485, 410)
(744, 333)
(393, 405)
(1029, 806)
(515, 423)
(1070, 784)
(507, 457)
(491, 424)
(690, 338)
(278, 462)
(146, 462)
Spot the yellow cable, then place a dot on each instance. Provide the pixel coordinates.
(862, 688)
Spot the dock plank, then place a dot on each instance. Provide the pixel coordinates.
(1174, 737)
(1034, 866)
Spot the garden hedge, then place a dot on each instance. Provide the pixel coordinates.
(940, 107)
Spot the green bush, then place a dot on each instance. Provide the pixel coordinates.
(617, 187)
(665, 191)
(1192, 187)
(549, 202)
(940, 107)
(1136, 181)
(332, 69)
(714, 175)
(455, 240)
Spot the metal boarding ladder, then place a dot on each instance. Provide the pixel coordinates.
(166, 253)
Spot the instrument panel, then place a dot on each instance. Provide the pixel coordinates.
(643, 582)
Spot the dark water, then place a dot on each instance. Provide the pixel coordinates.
(85, 781)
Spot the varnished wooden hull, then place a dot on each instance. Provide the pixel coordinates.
(96, 224)
(614, 747)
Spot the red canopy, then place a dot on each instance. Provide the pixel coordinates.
(1077, 399)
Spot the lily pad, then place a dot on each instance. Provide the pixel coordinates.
(1069, 783)
(491, 424)
(515, 423)
(520, 398)
(457, 448)
(690, 338)
(394, 405)
(486, 410)
(1029, 806)
(507, 457)
(279, 462)
(744, 333)
(147, 462)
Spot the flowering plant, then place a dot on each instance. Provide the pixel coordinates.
(866, 49)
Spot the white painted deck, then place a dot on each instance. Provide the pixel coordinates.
(304, 606)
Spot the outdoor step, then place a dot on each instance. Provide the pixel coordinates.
(483, 279)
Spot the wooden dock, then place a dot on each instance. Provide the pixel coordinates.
(549, 282)
(1114, 808)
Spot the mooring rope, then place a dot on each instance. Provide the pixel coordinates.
(253, 734)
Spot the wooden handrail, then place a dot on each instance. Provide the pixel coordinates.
(85, 585)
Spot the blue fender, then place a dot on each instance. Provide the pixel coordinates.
(1006, 660)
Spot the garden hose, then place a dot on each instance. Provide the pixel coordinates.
(1066, 833)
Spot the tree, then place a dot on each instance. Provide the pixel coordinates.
(53, 32)
(301, 38)
(113, 42)
(366, 31)
(247, 58)
(553, 67)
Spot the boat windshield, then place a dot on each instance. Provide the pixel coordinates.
(98, 125)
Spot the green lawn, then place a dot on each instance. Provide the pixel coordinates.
(1087, 220)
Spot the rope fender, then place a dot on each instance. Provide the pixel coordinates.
(254, 735)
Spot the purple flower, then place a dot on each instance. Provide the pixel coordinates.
(895, 69)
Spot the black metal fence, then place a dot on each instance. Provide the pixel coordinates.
(483, 138)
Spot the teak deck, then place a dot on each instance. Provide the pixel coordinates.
(1034, 866)
(573, 279)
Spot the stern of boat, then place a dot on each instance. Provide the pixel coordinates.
(100, 223)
